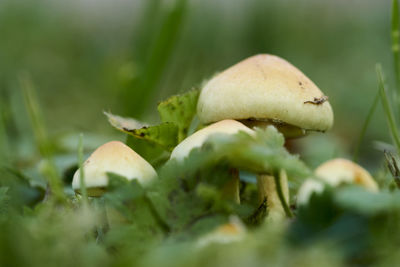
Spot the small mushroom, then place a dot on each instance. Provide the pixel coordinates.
(233, 231)
(197, 139)
(266, 90)
(112, 157)
(334, 173)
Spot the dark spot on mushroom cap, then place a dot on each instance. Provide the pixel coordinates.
(300, 83)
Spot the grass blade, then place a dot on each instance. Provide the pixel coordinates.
(3, 134)
(141, 90)
(395, 35)
(42, 140)
(81, 171)
(387, 108)
(365, 126)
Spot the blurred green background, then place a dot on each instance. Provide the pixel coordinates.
(123, 56)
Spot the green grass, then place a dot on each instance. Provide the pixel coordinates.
(42, 139)
(390, 117)
(365, 125)
(395, 37)
(81, 169)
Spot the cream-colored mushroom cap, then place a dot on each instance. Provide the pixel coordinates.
(233, 231)
(337, 171)
(265, 88)
(198, 138)
(114, 157)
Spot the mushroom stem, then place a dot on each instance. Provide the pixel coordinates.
(231, 188)
(275, 189)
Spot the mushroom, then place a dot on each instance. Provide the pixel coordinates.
(266, 90)
(112, 157)
(197, 139)
(233, 231)
(334, 173)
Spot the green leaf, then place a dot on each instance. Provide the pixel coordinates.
(262, 153)
(130, 215)
(180, 109)
(122, 123)
(367, 203)
(20, 189)
(164, 134)
(153, 153)
(184, 202)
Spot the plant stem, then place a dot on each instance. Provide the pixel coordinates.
(161, 223)
(278, 186)
(395, 35)
(387, 108)
(231, 188)
(365, 126)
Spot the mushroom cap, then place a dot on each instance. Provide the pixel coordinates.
(198, 138)
(309, 187)
(265, 87)
(115, 157)
(337, 171)
(233, 231)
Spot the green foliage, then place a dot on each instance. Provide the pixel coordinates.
(130, 216)
(190, 191)
(18, 189)
(164, 135)
(151, 152)
(4, 199)
(263, 153)
(180, 109)
(154, 143)
(367, 203)
(160, 224)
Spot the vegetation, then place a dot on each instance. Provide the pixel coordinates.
(55, 78)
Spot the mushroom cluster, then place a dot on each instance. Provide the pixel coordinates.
(267, 90)
(260, 91)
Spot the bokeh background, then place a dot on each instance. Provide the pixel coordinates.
(89, 56)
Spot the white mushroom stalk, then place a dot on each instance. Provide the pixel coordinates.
(274, 190)
(334, 173)
(267, 90)
(231, 188)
